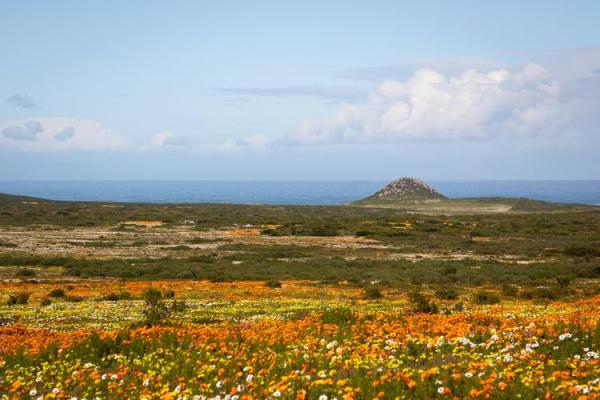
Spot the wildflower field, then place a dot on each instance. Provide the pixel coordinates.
(409, 309)
(246, 340)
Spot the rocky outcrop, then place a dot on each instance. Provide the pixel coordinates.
(405, 189)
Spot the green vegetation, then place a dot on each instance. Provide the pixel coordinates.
(18, 298)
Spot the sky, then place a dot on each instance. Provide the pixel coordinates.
(309, 90)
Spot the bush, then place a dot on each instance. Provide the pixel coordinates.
(45, 302)
(117, 296)
(272, 283)
(373, 292)
(57, 293)
(582, 251)
(420, 304)
(169, 294)
(25, 272)
(484, 297)
(152, 296)
(18, 298)
(563, 281)
(449, 271)
(446, 294)
(155, 312)
(510, 290)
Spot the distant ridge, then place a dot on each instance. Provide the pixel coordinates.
(12, 199)
(404, 189)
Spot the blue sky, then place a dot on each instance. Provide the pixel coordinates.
(304, 90)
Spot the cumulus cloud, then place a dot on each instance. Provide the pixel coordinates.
(163, 139)
(59, 134)
(28, 131)
(22, 101)
(432, 106)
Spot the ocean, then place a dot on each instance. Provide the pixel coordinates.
(291, 192)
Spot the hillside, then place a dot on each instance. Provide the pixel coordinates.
(401, 190)
(414, 195)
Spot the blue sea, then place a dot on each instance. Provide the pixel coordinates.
(290, 192)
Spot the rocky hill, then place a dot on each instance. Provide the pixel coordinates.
(404, 189)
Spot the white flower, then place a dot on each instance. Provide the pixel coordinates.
(56, 390)
(220, 384)
(564, 336)
(440, 390)
(249, 378)
(277, 393)
(323, 397)
(32, 392)
(469, 374)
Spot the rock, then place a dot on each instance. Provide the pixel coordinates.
(405, 189)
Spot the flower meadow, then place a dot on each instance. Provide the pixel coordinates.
(300, 341)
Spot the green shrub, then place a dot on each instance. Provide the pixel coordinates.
(420, 304)
(45, 302)
(273, 283)
(563, 281)
(509, 290)
(155, 313)
(152, 296)
(169, 294)
(18, 298)
(449, 271)
(582, 251)
(372, 292)
(485, 297)
(446, 294)
(117, 296)
(25, 272)
(57, 293)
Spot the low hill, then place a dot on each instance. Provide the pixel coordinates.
(15, 199)
(401, 190)
(414, 195)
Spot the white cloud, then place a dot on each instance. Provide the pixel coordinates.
(58, 134)
(162, 139)
(430, 105)
(252, 141)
